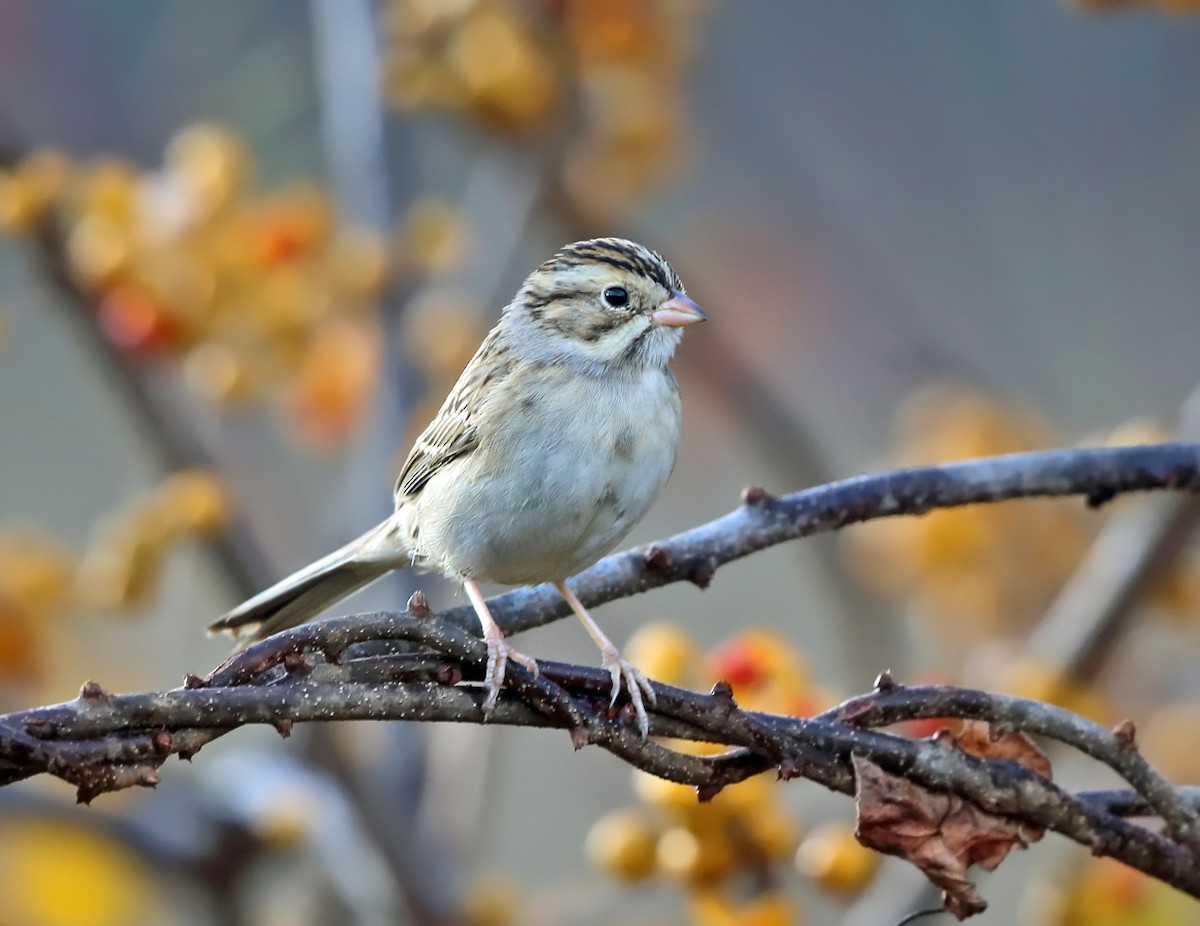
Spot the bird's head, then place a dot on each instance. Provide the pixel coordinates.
(605, 304)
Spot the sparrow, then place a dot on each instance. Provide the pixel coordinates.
(556, 439)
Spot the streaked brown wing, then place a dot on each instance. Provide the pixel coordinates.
(453, 432)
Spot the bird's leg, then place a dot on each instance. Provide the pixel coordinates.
(498, 649)
(612, 660)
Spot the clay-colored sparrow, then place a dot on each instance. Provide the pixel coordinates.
(558, 436)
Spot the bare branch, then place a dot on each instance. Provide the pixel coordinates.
(410, 666)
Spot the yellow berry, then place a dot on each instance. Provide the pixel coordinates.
(773, 831)
(211, 159)
(46, 171)
(832, 857)
(196, 501)
(434, 237)
(622, 844)
(97, 247)
(35, 574)
(122, 568)
(215, 372)
(669, 795)
(492, 901)
(508, 79)
(772, 908)
(752, 796)
(284, 822)
(663, 651)
(110, 189)
(1168, 737)
(358, 263)
(1038, 680)
(19, 208)
(442, 332)
(694, 856)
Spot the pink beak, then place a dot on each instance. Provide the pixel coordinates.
(677, 312)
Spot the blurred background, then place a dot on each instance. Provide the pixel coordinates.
(249, 244)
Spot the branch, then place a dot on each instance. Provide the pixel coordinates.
(410, 666)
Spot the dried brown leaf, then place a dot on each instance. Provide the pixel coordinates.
(976, 737)
(942, 834)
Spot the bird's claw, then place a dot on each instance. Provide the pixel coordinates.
(640, 691)
(499, 652)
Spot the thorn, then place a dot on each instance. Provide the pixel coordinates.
(885, 682)
(85, 794)
(1100, 846)
(297, 664)
(657, 559)
(722, 694)
(418, 604)
(756, 495)
(162, 741)
(1097, 498)
(448, 674)
(284, 727)
(147, 777)
(787, 769)
(185, 755)
(705, 793)
(193, 681)
(701, 575)
(580, 737)
(91, 691)
(1125, 732)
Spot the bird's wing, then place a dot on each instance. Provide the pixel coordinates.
(453, 433)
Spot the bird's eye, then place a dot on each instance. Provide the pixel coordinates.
(616, 296)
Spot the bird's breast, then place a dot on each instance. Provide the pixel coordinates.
(557, 481)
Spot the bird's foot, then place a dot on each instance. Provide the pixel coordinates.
(638, 686)
(499, 652)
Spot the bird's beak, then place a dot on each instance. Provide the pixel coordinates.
(677, 312)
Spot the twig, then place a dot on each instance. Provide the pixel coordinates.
(102, 742)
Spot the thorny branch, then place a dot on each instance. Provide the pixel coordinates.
(409, 665)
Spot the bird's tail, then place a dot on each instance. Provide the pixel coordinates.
(306, 593)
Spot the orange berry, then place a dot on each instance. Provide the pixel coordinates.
(333, 384)
(739, 665)
(134, 319)
(22, 654)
